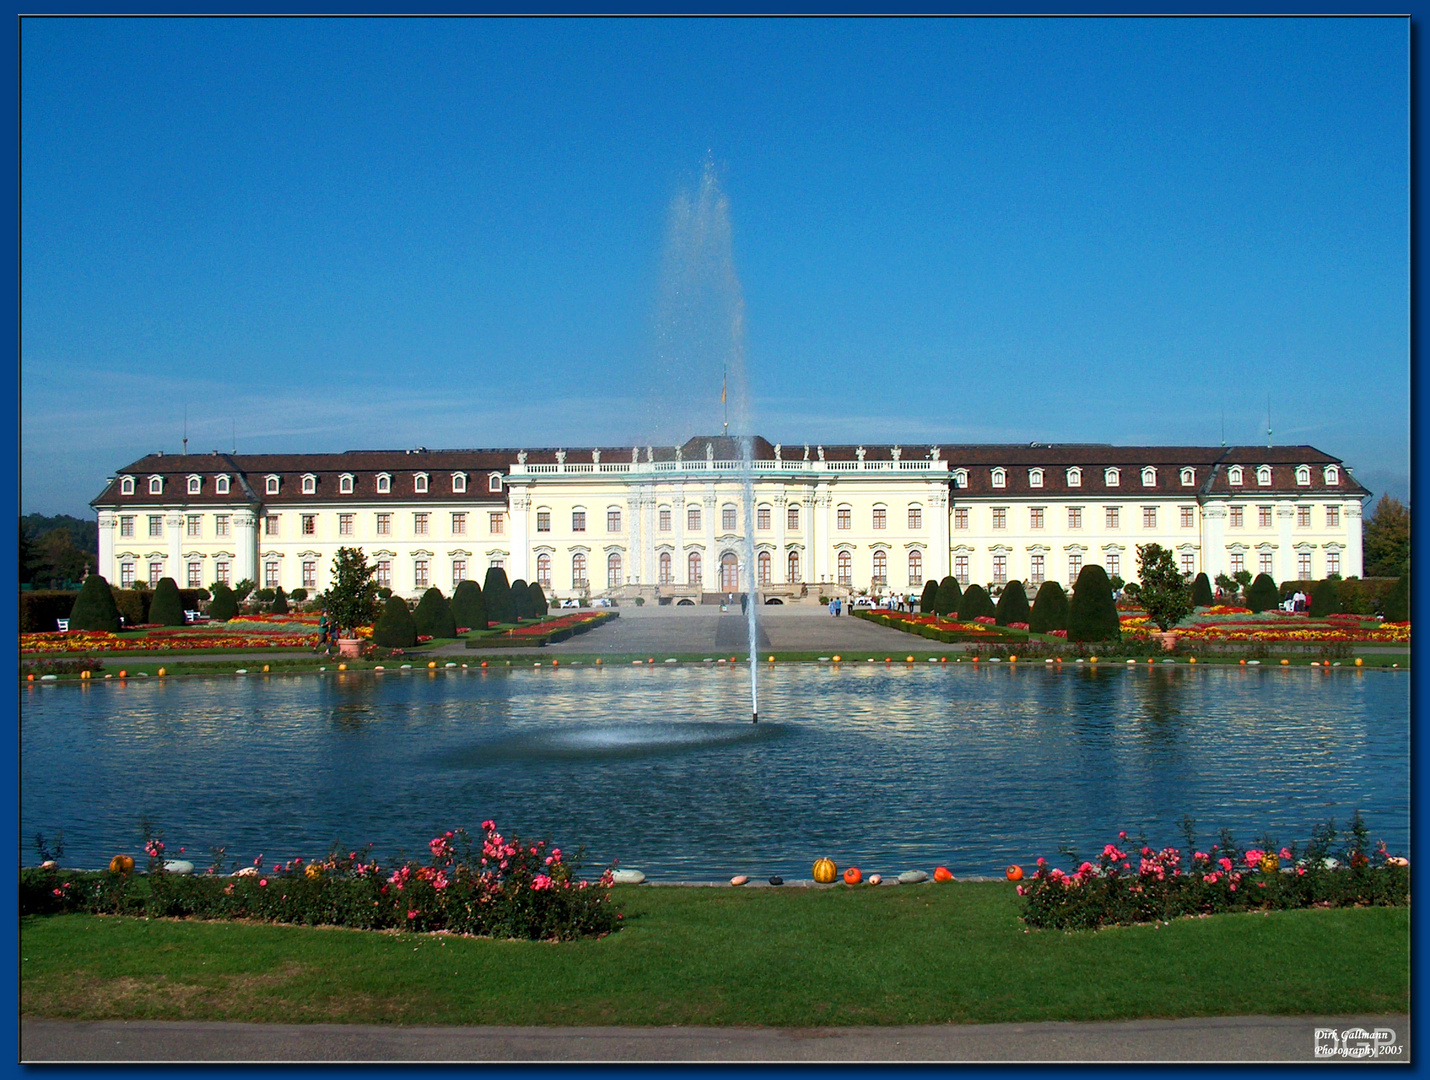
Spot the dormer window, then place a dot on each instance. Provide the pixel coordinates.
(459, 483)
(1233, 476)
(196, 485)
(345, 484)
(1303, 475)
(1189, 477)
(270, 485)
(126, 485)
(310, 484)
(221, 485)
(384, 483)
(494, 482)
(1000, 478)
(1149, 477)
(1074, 477)
(1112, 477)
(1263, 475)
(419, 483)
(960, 478)
(156, 485)
(1035, 477)
(1333, 475)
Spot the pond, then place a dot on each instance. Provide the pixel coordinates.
(885, 767)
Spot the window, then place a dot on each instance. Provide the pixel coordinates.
(194, 525)
(126, 487)
(459, 483)
(384, 524)
(156, 524)
(1189, 477)
(960, 568)
(1035, 477)
(1186, 516)
(494, 482)
(156, 485)
(613, 570)
(496, 521)
(613, 521)
(1303, 517)
(126, 525)
(1114, 564)
(762, 564)
(692, 519)
(792, 518)
(1264, 561)
(196, 574)
(270, 485)
(881, 517)
(1036, 570)
(916, 517)
(1149, 517)
(1333, 475)
(1113, 516)
(1000, 569)
(1074, 517)
(419, 483)
(727, 518)
(1237, 517)
(497, 564)
(345, 484)
(960, 478)
(664, 574)
(384, 483)
(310, 485)
(692, 568)
(1112, 477)
(1074, 566)
(1074, 477)
(1035, 517)
(221, 485)
(419, 524)
(222, 572)
(844, 518)
(1333, 563)
(384, 573)
(1000, 478)
(156, 571)
(1233, 476)
(793, 568)
(126, 575)
(1263, 475)
(1303, 475)
(270, 525)
(270, 574)
(729, 572)
(1333, 517)
(310, 574)
(1189, 564)
(1000, 517)
(543, 521)
(1263, 517)
(916, 567)
(459, 524)
(960, 518)
(1149, 477)
(578, 571)
(846, 568)
(459, 571)
(419, 573)
(1238, 562)
(345, 524)
(881, 567)
(543, 570)
(310, 524)
(1303, 566)
(663, 519)
(762, 518)
(578, 521)
(220, 524)
(196, 485)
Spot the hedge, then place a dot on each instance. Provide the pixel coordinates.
(167, 607)
(496, 592)
(1262, 594)
(94, 607)
(974, 603)
(433, 616)
(1012, 604)
(1202, 595)
(1050, 609)
(947, 599)
(40, 609)
(521, 600)
(224, 605)
(1092, 613)
(929, 597)
(468, 608)
(395, 628)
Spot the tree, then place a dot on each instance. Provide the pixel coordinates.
(1262, 593)
(242, 589)
(1012, 604)
(1386, 539)
(974, 603)
(298, 595)
(538, 598)
(167, 608)
(1228, 585)
(94, 607)
(352, 599)
(468, 608)
(395, 627)
(1092, 613)
(1202, 591)
(521, 600)
(1164, 595)
(1325, 598)
(947, 598)
(1242, 579)
(930, 594)
(280, 602)
(224, 605)
(433, 616)
(1050, 609)
(497, 594)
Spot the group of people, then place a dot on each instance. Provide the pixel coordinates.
(327, 634)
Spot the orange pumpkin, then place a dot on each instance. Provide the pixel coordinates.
(121, 864)
(942, 873)
(852, 876)
(1014, 872)
(824, 871)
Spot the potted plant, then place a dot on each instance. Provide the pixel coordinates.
(352, 600)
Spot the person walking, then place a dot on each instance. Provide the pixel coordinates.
(322, 645)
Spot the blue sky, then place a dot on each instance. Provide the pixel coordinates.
(333, 234)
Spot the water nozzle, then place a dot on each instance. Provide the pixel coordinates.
(754, 718)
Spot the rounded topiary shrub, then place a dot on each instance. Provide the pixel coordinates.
(395, 628)
(1325, 598)
(433, 616)
(94, 607)
(1202, 595)
(1012, 604)
(1050, 609)
(930, 595)
(224, 605)
(167, 608)
(947, 598)
(298, 595)
(521, 599)
(538, 598)
(975, 604)
(468, 608)
(1092, 613)
(280, 602)
(1262, 595)
(497, 594)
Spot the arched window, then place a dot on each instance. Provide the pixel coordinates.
(1333, 475)
(543, 570)
(156, 485)
(1112, 477)
(916, 567)
(794, 567)
(613, 570)
(1074, 477)
(1149, 477)
(221, 485)
(1000, 478)
(345, 484)
(494, 482)
(846, 568)
(578, 571)
(665, 571)
(764, 565)
(1035, 477)
(729, 572)
(1189, 477)
(881, 567)
(960, 478)
(692, 569)
(1233, 475)
(196, 485)
(459, 483)
(126, 485)
(1303, 475)
(419, 483)
(310, 484)
(270, 485)
(1263, 475)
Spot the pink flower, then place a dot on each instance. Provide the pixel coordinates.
(1020, 890)
(262, 881)
(1224, 863)
(1122, 836)
(1285, 853)
(1232, 888)
(412, 914)
(540, 881)
(488, 825)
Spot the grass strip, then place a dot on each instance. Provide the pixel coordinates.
(792, 957)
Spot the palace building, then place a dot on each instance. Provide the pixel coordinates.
(669, 523)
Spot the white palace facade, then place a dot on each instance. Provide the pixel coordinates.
(669, 523)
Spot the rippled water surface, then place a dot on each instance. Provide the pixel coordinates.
(884, 767)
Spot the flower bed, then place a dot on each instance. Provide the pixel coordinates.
(1269, 627)
(937, 629)
(540, 634)
(164, 640)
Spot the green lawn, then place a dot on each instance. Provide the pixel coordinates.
(793, 957)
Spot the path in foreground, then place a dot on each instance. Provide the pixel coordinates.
(1221, 1039)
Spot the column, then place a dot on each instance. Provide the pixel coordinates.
(1214, 541)
(106, 567)
(819, 555)
(1285, 515)
(679, 572)
(520, 497)
(1351, 565)
(710, 564)
(174, 522)
(633, 534)
(779, 574)
(649, 574)
(245, 538)
(939, 557)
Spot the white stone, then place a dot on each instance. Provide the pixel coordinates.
(912, 877)
(178, 866)
(627, 877)
(246, 871)
(875, 879)
(739, 879)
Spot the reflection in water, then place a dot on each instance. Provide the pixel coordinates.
(886, 766)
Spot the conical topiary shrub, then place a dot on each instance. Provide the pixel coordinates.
(1262, 595)
(1325, 598)
(497, 594)
(974, 604)
(1202, 595)
(280, 602)
(1092, 613)
(538, 598)
(224, 604)
(167, 608)
(1012, 604)
(930, 595)
(521, 600)
(948, 596)
(468, 608)
(1050, 609)
(433, 616)
(94, 607)
(395, 627)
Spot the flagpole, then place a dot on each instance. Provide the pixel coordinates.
(724, 379)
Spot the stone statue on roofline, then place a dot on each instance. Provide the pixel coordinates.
(635, 455)
(896, 452)
(521, 457)
(561, 457)
(777, 453)
(595, 457)
(649, 454)
(821, 452)
(710, 453)
(934, 456)
(679, 455)
(859, 453)
(806, 451)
